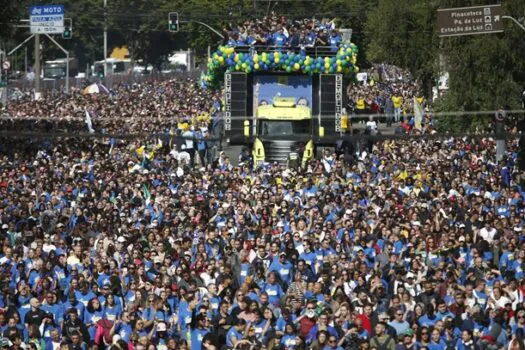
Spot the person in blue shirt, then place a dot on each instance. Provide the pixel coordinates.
(273, 289)
(199, 328)
(94, 312)
(322, 323)
(84, 295)
(279, 38)
(467, 341)
(112, 310)
(283, 267)
(335, 40)
(236, 333)
(122, 327)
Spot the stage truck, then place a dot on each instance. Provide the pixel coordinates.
(283, 116)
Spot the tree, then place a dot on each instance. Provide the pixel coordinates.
(10, 13)
(402, 33)
(486, 73)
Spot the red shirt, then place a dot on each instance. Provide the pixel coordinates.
(305, 325)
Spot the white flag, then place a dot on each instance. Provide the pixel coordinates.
(418, 114)
(89, 123)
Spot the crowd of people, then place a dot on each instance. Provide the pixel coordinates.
(178, 110)
(280, 31)
(154, 242)
(391, 102)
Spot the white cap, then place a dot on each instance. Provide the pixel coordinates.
(4, 226)
(121, 239)
(161, 327)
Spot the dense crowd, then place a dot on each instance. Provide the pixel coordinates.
(278, 31)
(390, 101)
(177, 111)
(415, 244)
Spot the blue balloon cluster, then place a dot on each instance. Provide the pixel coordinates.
(226, 59)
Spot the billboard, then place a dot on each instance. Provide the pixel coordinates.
(273, 89)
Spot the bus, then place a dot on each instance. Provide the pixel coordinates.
(114, 66)
(56, 69)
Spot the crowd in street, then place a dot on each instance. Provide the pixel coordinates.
(157, 242)
(389, 101)
(279, 31)
(414, 245)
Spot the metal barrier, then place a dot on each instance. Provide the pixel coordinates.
(315, 51)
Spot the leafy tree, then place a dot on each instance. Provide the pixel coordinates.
(10, 13)
(402, 33)
(486, 73)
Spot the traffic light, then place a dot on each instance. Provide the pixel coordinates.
(173, 22)
(67, 33)
(68, 29)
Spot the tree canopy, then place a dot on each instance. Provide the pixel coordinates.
(486, 71)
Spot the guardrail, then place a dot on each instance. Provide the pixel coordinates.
(314, 51)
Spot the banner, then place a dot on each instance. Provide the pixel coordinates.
(268, 87)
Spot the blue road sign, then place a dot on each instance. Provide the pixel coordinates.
(47, 19)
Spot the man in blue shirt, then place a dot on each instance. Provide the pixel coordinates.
(283, 267)
(279, 39)
(335, 39)
(198, 330)
(122, 327)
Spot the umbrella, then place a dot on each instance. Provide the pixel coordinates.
(95, 89)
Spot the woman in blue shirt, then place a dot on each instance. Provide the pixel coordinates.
(94, 312)
(112, 311)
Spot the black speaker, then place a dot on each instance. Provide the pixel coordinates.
(235, 105)
(331, 103)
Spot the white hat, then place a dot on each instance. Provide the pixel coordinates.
(121, 239)
(461, 239)
(410, 275)
(161, 327)
(4, 226)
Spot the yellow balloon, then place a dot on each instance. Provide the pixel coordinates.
(221, 59)
(236, 58)
(209, 60)
(338, 62)
(339, 69)
(243, 65)
(296, 66)
(307, 61)
(356, 69)
(256, 66)
(229, 51)
(222, 49)
(255, 58)
(277, 60)
(327, 65)
(327, 59)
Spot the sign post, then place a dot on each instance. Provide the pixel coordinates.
(470, 20)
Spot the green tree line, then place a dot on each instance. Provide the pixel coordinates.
(485, 71)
